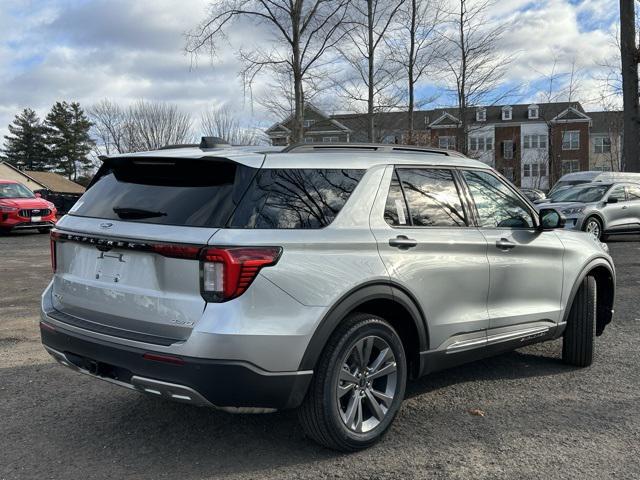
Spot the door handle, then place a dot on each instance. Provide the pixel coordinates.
(504, 244)
(624, 207)
(402, 242)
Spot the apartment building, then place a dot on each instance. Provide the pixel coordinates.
(531, 144)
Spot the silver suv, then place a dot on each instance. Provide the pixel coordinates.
(600, 208)
(320, 277)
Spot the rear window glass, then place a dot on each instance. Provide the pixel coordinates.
(183, 192)
(295, 198)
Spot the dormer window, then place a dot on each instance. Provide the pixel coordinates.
(481, 115)
(507, 113)
(534, 112)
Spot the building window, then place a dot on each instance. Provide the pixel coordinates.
(602, 145)
(507, 113)
(571, 140)
(507, 149)
(508, 173)
(534, 112)
(481, 115)
(535, 141)
(602, 168)
(526, 170)
(308, 139)
(570, 166)
(308, 123)
(330, 139)
(480, 144)
(447, 142)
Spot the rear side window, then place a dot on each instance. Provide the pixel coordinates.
(180, 192)
(295, 198)
(431, 196)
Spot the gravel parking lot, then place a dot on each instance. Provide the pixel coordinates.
(541, 418)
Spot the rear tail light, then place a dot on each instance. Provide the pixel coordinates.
(226, 273)
(54, 255)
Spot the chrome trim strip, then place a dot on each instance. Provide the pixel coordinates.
(493, 339)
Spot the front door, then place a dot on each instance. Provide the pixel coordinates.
(525, 263)
(429, 246)
(616, 213)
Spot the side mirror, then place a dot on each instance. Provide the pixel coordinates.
(38, 195)
(612, 200)
(550, 219)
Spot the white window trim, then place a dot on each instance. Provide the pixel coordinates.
(533, 112)
(330, 139)
(507, 113)
(481, 115)
(308, 123)
(598, 146)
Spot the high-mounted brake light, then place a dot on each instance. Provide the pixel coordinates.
(226, 273)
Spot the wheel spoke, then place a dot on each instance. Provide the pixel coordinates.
(384, 398)
(374, 405)
(347, 376)
(352, 409)
(344, 389)
(383, 372)
(362, 351)
(358, 425)
(384, 356)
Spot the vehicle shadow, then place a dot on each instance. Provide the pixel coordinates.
(118, 433)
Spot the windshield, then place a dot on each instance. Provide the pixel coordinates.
(562, 185)
(15, 190)
(582, 194)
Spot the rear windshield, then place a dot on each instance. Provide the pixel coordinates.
(295, 198)
(207, 193)
(184, 192)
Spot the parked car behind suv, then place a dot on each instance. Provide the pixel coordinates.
(321, 277)
(21, 209)
(601, 209)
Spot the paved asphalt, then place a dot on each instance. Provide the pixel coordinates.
(541, 418)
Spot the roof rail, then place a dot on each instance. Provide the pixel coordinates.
(368, 147)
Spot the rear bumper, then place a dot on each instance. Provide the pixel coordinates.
(234, 386)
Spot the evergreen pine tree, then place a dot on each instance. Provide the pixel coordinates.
(68, 138)
(26, 147)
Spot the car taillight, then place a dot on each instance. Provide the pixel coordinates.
(226, 273)
(54, 256)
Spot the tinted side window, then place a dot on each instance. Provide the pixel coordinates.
(497, 205)
(395, 211)
(295, 198)
(633, 192)
(432, 198)
(618, 192)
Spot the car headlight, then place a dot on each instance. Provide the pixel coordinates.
(7, 209)
(573, 210)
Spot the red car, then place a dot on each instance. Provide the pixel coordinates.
(20, 208)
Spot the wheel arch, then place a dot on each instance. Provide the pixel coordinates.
(604, 275)
(596, 215)
(385, 299)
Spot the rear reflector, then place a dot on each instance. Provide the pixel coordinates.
(156, 357)
(228, 272)
(54, 255)
(46, 326)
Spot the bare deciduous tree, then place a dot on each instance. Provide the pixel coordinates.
(109, 120)
(223, 123)
(301, 32)
(630, 57)
(414, 48)
(472, 60)
(371, 78)
(143, 126)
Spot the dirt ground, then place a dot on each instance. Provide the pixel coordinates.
(541, 418)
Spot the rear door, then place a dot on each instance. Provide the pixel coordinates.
(526, 270)
(427, 243)
(633, 196)
(128, 252)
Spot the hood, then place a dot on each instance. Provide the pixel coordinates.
(562, 205)
(29, 203)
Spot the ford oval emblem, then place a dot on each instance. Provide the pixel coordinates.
(106, 225)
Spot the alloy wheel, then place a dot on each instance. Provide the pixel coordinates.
(367, 384)
(593, 227)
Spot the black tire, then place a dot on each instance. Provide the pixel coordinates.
(44, 230)
(577, 345)
(598, 222)
(320, 413)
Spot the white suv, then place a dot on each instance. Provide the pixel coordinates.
(320, 277)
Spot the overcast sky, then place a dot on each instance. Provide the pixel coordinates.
(87, 50)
